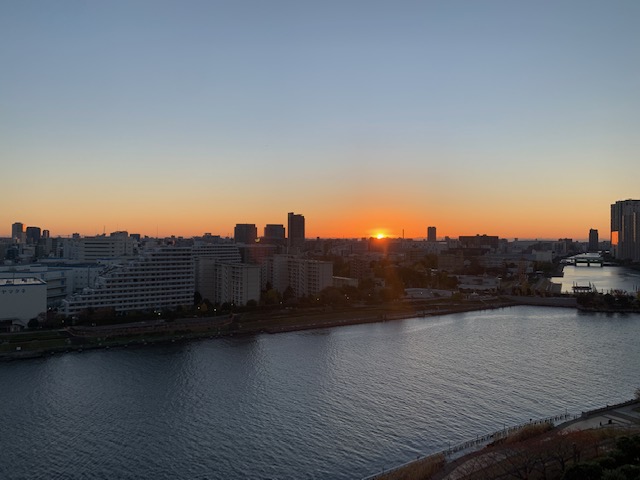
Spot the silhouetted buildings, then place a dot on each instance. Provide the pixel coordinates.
(479, 241)
(593, 240)
(245, 233)
(625, 230)
(274, 233)
(295, 229)
(431, 234)
(33, 235)
(17, 232)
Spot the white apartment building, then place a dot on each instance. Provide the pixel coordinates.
(22, 298)
(91, 249)
(304, 276)
(235, 283)
(204, 254)
(160, 277)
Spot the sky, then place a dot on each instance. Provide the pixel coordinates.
(517, 119)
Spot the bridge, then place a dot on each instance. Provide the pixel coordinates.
(588, 259)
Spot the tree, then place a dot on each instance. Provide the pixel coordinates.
(583, 471)
(197, 298)
(33, 324)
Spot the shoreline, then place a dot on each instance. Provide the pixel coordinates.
(81, 338)
(39, 344)
(444, 464)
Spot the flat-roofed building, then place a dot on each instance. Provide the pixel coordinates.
(91, 249)
(304, 276)
(236, 283)
(22, 298)
(295, 230)
(245, 233)
(160, 277)
(274, 233)
(625, 230)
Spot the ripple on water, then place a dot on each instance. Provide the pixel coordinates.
(334, 403)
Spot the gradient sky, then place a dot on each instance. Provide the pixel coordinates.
(518, 119)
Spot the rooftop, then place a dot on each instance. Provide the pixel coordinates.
(20, 282)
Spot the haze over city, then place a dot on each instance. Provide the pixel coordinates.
(506, 118)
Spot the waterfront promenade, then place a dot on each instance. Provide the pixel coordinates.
(463, 460)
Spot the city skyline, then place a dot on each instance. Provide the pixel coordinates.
(516, 120)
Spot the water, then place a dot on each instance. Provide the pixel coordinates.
(338, 403)
(603, 278)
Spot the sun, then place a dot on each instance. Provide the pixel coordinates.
(380, 236)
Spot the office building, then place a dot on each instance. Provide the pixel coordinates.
(625, 230)
(245, 233)
(295, 228)
(22, 298)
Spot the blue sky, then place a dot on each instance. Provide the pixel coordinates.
(199, 115)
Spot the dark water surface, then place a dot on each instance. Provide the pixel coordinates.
(602, 279)
(332, 404)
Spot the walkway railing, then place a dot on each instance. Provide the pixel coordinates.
(479, 440)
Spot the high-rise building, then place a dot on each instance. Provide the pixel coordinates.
(274, 232)
(236, 283)
(33, 235)
(304, 276)
(295, 229)
(625, 230)
(593, 240)
(431, 234)
(245, 233)
(17, 232)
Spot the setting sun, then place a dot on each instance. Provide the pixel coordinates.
(380, 236)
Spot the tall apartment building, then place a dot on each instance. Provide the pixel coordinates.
(625, 230)
(295, 228)
(305, 277)
(18, 233)
(431, 234)
(206, 253)
(160, 277)
(245, 233)
(274, 233)
(236, 283)
(33, 235)
(593, 240)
